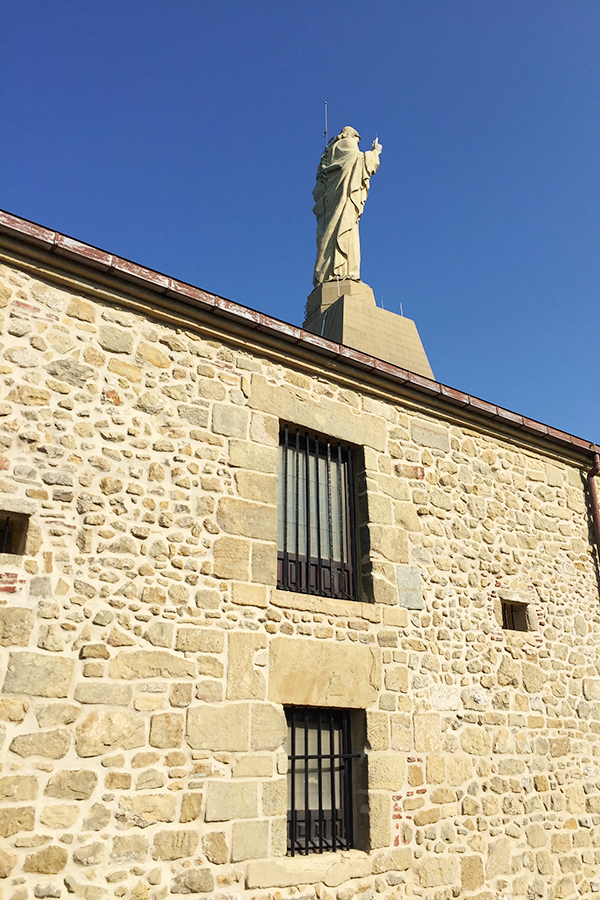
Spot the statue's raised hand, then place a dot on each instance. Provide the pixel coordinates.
(376, 146)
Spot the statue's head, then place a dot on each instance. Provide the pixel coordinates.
(349, 132)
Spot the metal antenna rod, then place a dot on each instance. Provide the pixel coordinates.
(325, 132)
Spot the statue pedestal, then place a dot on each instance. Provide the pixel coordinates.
(346, 312)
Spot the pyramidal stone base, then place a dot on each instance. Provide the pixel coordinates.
(345, 311)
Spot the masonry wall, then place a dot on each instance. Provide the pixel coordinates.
(147, 655)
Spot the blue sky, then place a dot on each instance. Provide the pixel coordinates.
(185, 135)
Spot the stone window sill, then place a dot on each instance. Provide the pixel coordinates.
(331, 869)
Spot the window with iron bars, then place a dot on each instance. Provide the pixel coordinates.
(13, 532)
(316, 539)
(514, 616)
(319, 780)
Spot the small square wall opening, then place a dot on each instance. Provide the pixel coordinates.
(13, 532)
(514, 616)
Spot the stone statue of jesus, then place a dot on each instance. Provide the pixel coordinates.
(340, 193)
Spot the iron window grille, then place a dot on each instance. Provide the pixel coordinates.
(514, 616)
(319, 780)
(316, 546)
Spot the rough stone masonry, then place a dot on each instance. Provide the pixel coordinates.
(147, 655)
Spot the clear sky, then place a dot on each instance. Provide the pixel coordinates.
(185, 135)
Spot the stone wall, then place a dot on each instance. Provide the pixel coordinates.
(147, 654)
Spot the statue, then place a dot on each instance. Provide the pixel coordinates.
(340, 193)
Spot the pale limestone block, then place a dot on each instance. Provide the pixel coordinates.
(389, 541)
(191, 807)
(401, 733)
(274, 797)
(386, 771)
(7, 860)
(249, 594)
(396, 679)
(26, 395)
(143, 810)
(397, 860)
(405, 516)
(105, 730)
(38, 674)
(214, 846)
(231, 800)
(49, 861)
(428, 735)
(537, 836)
(17, 788)
(174, 844)
(378, 730)
(219, 728)
(471, 873)
(430, 434)
(460, 769)
(247, 518)
(249, 840)
(231, 558)
(475, 740)
(16, 818)
(13, 710)
(269, 727)
(16, 625)
(160, 634)
(257, 457)
(166, 730)
(244, 680)
(575, 798)
(380, 829)
(100, 692)
(125, 370)
(257, 486)
(231, 421)
(498, 861)
(591, 688)
(433, 871)
(533, 678)
(316, 673)
(71, 784)
(199, 640)
(114, 339)
(52, 744)
(139, 664)
(129, 848)
(97, 818)
(331, 869)
(150, 780)
(435, 769)
(264, 563)
(89, 855)
(195, 415)
(149, 353)
(397, 618)
(255, 766)
(193, 881)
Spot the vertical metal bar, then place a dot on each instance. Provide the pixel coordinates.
(332, 777)
(286, 563)
(293, 815)
(347, 812)
(318, 516)
(297, 580)
(329, 522)
(320, 778)
(342, 523)
(352, 536)
(306, 810)
(307, 470)
(6, 548)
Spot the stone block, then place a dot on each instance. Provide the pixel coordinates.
(264, 563)
(13, 710)
(129, 848)
(389, 541)
(471, 873)
(200, 640)
(16, 625)
(16, 818)
(475, 740)
(316, 673)
(38, 674)
(386, 771)
(71, 784)
(231, 421)
(408, 582)
(219, 728)
(90, 854)
(114, 339)
(274, 797)
(60, 815)
(231, 558)
(244, 680)
(428, 734)
(269, 727)
(401, 733)
(533, 678)
(498, 861)
(434, 871)
(191, 807)
(430, 434)
(51, 744)
(331, 869)
(214, 846)
(460, 769)
(378, 730)
(256, 457)
(105, 730)
(380, 831)
(193, 881)
(398, 860)
(143, 810)
(172, 845)
(231, 800)
(49, 861)
(138, 664)
(445, 697)
(247, 518)
(249, 840)
(166, 730)
(16, 788)
(97, 818)
(257, 486)
(101, 692)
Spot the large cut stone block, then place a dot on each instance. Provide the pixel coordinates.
(105, 730)
(219, 728)
(433, 871)
(150, 664)
(38, 674)
(231, 800)
(249, 840)
(16, 625)
(331, 869)
(247, 518)
(269, 727)
(318, 673)
(244, 680)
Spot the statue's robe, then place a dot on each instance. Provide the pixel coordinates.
(340, 193)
